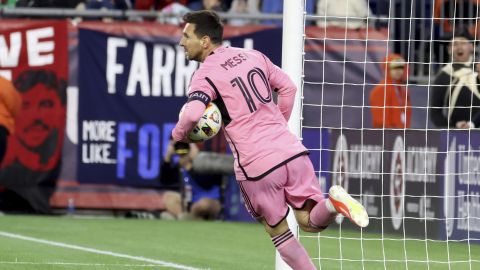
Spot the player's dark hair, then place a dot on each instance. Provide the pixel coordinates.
(207, 23)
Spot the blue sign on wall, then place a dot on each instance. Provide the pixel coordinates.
(460, 161)
(130, 94)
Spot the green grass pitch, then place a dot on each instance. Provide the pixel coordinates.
(33, 242)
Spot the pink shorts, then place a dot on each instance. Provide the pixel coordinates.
(293, 183)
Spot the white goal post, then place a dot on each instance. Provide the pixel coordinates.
(292, 64)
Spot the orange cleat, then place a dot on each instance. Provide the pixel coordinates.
(348, 206)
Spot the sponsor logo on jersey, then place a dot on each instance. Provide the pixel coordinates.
(200, 96)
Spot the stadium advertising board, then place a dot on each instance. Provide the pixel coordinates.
(395, 173)
(34, 56)
(459, 169)
(130, 91)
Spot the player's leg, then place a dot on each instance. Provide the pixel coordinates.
(305, 196)
(303, 188)
(265, 200)
(290, 249)
(314, 216)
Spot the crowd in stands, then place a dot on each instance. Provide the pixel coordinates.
(329, 11)
(454, 92)
(447, 14)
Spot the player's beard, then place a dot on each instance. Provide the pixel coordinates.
(191, 56)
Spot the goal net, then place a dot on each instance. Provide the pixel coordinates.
(417, 176)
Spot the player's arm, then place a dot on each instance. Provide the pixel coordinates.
(192, 112)
(200, 94)
(284, 86)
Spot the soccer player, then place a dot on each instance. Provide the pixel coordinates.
(271, 164)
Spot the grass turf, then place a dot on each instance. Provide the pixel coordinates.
(209, 245)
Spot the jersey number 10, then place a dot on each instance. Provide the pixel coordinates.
(239, 82)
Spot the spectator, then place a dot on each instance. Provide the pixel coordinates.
(476, 105)
(10, 102)
(276, 7)
(175, 9)
(104, 5)
(49, 3)
(343, 13)
(215, 5)
(201, 192)
(245, 7)
(156, 4)
(108, 4)
(389, 100)
(455, 97)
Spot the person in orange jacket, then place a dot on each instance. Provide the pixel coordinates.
(389, 100)
(10, 102)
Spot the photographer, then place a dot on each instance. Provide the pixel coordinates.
(189, 194)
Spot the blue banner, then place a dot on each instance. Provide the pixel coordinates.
(131, 91)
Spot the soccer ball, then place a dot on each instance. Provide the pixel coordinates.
(208, 126)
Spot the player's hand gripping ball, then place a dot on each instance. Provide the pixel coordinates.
(208, 126)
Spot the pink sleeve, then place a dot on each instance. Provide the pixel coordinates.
(286, 99)
(200, 94)
(281, 83)
(192, 112)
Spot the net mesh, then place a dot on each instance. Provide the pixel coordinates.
(397, 149)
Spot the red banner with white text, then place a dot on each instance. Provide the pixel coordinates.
(34, 56)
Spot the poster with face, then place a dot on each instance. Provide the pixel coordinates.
(35, 60)
(36, 143)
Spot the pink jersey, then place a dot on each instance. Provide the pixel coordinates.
(240, 82)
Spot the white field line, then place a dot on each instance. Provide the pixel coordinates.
(80, 264)
(97, 251)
